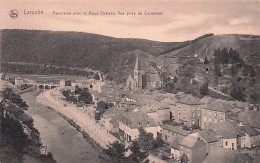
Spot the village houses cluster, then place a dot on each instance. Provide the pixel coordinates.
(203, 129)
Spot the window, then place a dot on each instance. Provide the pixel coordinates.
(193, 122)
(179, 106)
(193, 114)
(232, 146)
(227, 143)
(165, 137)
(215, 113)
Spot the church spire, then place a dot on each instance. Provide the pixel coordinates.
(136, 63)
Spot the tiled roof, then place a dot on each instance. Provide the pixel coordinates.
(189, 100)
(220, 155)
(117, 117)
(176, 129)
(250, 131)
(176, 143)
(208, 136)
(219, 106)
(136, 119)
(189, 141)
(111, 111)
(225, 129)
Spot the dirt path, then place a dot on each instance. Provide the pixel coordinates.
(66, 144)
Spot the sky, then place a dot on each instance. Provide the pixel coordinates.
(178, 20)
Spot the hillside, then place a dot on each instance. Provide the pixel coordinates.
(75, 49)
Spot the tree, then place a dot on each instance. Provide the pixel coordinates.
(158, 142)
(96, 76)
(184, 158)
(8, 94)
(238, 94)
(77, 90)
(206, 61)
(116, 151)
(85, 96)
(204, 89)
(145, 140)
(137, 155)
(101, 106)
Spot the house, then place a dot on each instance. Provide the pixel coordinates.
(64, 83)
(229, 134)
(214, 113)
(207, 137)
(18, 81)
(252, 137)
(113, 125)
(141, 79)
(131, 121)
(220, 155)
(170, 133)
(194, 148)
(175, 149)
(187, 110)
(108, 116)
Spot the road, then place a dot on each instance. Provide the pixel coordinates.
(62, 140)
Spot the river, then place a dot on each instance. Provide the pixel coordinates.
(65, 143)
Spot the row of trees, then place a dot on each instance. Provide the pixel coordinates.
(117, 153)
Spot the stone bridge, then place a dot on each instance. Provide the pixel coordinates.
(43, 85)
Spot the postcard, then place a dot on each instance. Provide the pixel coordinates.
(129, 81)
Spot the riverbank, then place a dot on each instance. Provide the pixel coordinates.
(53, 99)
(62, 140)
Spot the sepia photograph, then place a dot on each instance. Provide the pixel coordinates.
(130, 81)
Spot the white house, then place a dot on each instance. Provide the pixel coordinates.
(251, 138)
(229, 134)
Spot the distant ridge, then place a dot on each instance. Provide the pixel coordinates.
(78, 49)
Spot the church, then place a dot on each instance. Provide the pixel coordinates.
(143, 80)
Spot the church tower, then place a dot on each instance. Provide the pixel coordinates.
(137, 74)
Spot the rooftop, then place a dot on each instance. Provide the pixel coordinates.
(225, 129)
(219, 106)
(189, 100)
(176, 129)
(189, 141)
(250, 131)
(208, 136)
(136, 119)
(220, 155)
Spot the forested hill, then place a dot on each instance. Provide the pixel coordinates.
(75, 49)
